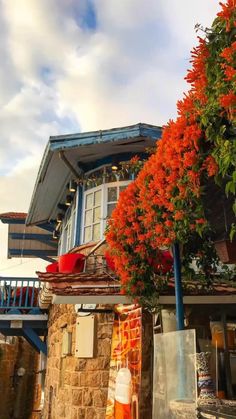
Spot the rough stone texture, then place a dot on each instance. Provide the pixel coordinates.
(77, 388)
(18, 396)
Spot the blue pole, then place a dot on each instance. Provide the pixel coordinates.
(178, 288)
(179, 323)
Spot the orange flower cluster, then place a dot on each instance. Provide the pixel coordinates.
(227, 12)
(164, 203)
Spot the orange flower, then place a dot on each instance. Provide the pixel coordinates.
(211, 166)
(179, 215)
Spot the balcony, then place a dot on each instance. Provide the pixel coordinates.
(20, 314)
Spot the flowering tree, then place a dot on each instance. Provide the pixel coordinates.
(164, 203)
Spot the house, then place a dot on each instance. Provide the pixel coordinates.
(91, 334)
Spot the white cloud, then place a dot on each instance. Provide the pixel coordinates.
(58, 75)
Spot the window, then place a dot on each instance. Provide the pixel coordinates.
(92, 215)
(99, 203)
(68, 230)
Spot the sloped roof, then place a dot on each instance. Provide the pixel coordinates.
(13, 216)
(81, 150)
(85, 283)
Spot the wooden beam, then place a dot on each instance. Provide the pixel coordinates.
(22, 317)
(91, 299)
(199, 299)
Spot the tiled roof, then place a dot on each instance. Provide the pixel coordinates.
(83, 283)
(86, 283)
(13, 215)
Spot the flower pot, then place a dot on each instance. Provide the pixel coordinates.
(71, 263)
(226, 250)
(53, 267)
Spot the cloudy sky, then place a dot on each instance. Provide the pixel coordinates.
(80, 65)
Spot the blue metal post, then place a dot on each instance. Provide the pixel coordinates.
(178, 288)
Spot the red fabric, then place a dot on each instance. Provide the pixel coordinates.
(24, 290)
(71, 263)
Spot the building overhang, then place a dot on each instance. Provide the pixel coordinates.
(82, 151)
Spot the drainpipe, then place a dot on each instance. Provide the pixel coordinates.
(179, 322)
(178, 288)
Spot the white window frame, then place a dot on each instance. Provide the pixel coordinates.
(104, 206)
(88, 192)
(67, 241)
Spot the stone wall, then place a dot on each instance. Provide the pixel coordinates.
(7, 365)
(17, 393)
(77, 388)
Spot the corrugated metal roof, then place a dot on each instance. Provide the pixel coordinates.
(86, 149)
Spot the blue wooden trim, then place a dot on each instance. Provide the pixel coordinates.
(29, 252)
(32, 337)
(31, 236)
(178, 288)
(47, 226)
(63, 142)
(42, 238)
(79, 210)
(12, 221)
(16, 295)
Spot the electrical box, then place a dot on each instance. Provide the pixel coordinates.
(84, 340)
(66, 343)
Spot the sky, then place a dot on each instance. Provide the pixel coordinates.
(78, 65)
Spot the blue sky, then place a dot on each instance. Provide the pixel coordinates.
(80, 65)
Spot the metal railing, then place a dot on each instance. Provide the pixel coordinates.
(19, 293)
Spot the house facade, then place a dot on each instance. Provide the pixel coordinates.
(94, 332)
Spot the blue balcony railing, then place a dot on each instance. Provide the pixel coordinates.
(20, 294)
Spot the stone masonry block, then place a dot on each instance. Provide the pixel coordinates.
(100, 398)
(76, 397)
(91, 380)
(87, 397)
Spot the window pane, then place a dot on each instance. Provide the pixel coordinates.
(96, 232)
(97, 198)
(112, 194)
(88, 217)
(110, 208)
(89, 201)
(97, 214)
(87, 234)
